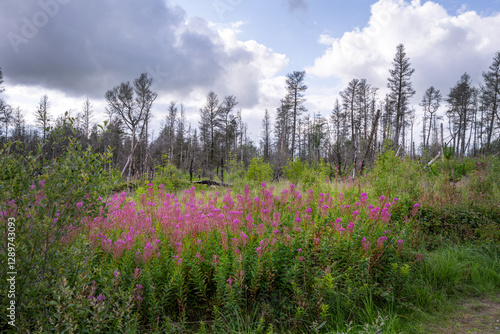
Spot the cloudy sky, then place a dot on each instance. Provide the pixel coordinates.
(74, 49)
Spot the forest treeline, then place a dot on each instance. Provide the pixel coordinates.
(348, 138)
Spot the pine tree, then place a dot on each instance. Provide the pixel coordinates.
(295, 95)
(430, 103)
(401, 89)
(459, 111)
(266, 136)
(491, 93)
(209, 125)
(42, 115)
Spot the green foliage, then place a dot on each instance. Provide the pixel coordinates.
(455, 169)
(48, 200)
(212, 282)
(170, 177)
(294, 169)
(392, 175)
(448, 151)
(300, 172)
(259, 171)
(236, 172)
(461, 223)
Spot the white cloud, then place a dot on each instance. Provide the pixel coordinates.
(441, 46)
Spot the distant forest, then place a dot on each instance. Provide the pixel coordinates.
(360, 125)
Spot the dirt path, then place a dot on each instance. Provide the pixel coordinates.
(473, 315)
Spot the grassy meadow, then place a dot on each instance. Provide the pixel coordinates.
(314, 252)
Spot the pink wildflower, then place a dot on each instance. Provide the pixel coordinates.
(366, 244)
(380, 241)
(400, 245)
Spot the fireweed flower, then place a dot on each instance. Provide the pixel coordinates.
(259, 251)
(400, 245)
(350, 227)
(101, 297)
(415, 209)
(243, 238)
(138, 293)
(230, 281)
(148, 252)
(299, 250)
(380, 241)
(116, 273)
(79, 205)
(386, 216)
(137, 274)
(366, 244)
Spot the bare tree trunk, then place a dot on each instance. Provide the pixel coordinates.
(372, 135)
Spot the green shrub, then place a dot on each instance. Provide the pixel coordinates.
(171, 177)
(48, 199)
(392, 175)
(294, 169)
(462, 223)
(259, 171)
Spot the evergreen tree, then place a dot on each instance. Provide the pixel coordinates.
(431, 102)
(266, 136)
(401, 89)
(459, 111)
(295, 93)
(491, 94)
(42, 115)
(211, 114)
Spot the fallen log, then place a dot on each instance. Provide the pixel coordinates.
(212, 183)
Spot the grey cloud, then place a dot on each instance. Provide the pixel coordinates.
(85, 47)
(296, 5)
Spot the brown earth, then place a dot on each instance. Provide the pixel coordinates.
(473, 315)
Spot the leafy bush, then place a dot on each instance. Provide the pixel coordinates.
(462, 223)
(48, 199)
(294, 169)
(259, 171)
(392, 175)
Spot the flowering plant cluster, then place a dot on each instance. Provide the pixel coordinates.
(212, 250)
